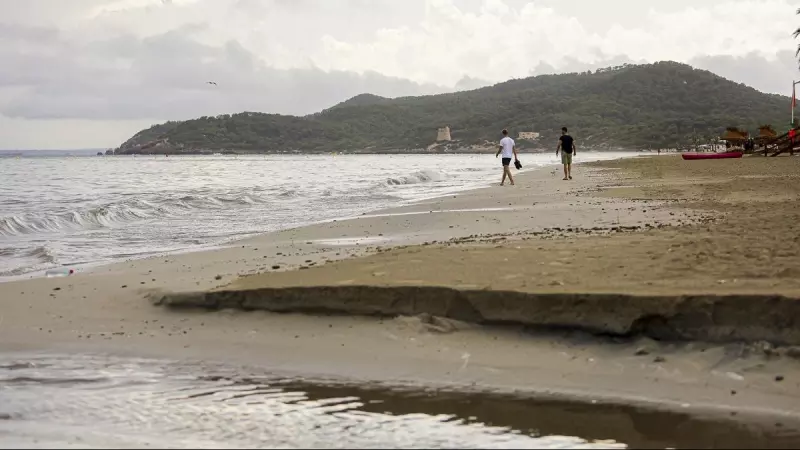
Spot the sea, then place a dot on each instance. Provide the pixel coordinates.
(86, 210)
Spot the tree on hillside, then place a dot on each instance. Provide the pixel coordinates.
(796, 34)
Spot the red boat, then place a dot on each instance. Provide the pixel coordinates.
(692, 156)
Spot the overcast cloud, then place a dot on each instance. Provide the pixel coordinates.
(90, 73)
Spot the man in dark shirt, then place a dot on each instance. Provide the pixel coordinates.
(567, 147)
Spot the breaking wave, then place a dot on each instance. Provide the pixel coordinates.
(42, 254)
(122, 212)
(27, 259)
(422, 176)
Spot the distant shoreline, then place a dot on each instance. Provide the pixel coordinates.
(459, 151)
(386, 152)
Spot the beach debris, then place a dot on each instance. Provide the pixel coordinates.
(276, 267)
(465, 358)
(641, 351)
(659, 359)
(734, 376)
(779, 378)
(218, 277)
(793, 352)
(766, 348)
(53, 273)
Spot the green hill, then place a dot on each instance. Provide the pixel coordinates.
(633, 106)
(361, 100)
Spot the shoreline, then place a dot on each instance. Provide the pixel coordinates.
(439, 150)
(107, 310)
(233, 241)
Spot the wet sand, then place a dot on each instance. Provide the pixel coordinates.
(708, 227)
(69, 401)
(744, 239)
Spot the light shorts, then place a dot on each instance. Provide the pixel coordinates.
(566, 158)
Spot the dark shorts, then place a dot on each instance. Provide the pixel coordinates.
(506, 162)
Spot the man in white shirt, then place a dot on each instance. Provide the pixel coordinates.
(509, 150)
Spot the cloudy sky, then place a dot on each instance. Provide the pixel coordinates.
(90, 73)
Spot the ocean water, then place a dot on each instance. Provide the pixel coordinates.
(57, 211)
(100, 401)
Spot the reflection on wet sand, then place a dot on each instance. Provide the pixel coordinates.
(100, 401)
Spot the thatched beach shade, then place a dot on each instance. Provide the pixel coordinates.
(766, 131)
(766, 135)
(735, 136)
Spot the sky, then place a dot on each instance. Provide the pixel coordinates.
(91, 73)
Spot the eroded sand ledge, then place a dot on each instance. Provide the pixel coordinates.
(713, 318)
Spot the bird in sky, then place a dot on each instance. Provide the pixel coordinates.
(211, 82)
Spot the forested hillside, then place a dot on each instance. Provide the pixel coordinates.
(635, 106)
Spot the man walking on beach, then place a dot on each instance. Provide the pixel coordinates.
(567, 147)
(509, 150)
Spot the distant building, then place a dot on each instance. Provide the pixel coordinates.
(443, 134)
(528, 135)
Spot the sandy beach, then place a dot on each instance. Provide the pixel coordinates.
(668, 234)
